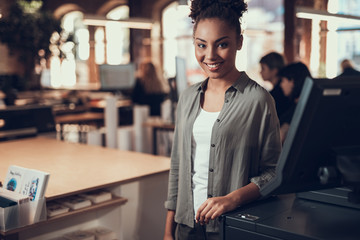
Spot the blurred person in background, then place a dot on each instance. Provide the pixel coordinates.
(348, 69)
(150, 88)
(270, 64)
(292, 80)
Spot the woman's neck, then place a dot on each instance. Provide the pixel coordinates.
(222, 84)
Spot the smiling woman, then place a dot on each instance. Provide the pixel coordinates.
(227, 140)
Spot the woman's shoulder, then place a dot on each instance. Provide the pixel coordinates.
(186, 97)
(254, 90)
(190, 90)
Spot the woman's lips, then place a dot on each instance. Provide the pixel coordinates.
(212, 66)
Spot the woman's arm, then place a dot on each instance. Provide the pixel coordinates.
(170, 226)
(214, 207)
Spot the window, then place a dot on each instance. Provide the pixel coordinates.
(117, 37)
(263, 27)
(69, 67)
(177, 34)
(342, 36)
(63, 63)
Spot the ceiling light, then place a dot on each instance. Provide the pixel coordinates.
(138, 23)
(183, 2)
(309, 13)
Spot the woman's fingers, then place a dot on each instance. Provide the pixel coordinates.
(211, 209)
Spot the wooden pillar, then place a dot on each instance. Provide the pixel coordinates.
(289, 31)
(322, 5)
(297, 40)
(93, 68)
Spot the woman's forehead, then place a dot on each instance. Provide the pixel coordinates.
(213, 28)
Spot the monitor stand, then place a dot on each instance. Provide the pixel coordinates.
(348, 167)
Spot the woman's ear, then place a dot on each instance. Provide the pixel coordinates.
(240, 42)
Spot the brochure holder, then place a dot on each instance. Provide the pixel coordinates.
(22, 214)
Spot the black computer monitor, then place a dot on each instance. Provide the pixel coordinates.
(323, 141)
(117, 78)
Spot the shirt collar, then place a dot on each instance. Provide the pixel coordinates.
(239, 84)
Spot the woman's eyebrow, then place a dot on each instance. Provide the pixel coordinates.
(217, 40)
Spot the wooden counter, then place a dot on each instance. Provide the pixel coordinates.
(76, 168)
(79, 118)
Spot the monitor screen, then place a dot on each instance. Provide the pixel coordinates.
(117, 77)
(326, 123)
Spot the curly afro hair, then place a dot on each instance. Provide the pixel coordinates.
(229, 11)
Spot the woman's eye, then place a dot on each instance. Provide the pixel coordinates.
(200, 45)
(223, 45)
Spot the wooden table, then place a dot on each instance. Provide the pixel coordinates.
(77, 168)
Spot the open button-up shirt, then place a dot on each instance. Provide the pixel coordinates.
(245, 145)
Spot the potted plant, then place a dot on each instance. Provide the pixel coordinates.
(26, 30)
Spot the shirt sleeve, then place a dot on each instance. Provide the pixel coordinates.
(264, 178)
(171, 201)
(270, 145)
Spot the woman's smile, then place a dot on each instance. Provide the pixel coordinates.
(213, 66)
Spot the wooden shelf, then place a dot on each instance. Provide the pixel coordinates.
(115, 201)
(79, 168)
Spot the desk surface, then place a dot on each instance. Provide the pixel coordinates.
(287, 217)
(79, 117)
(76, 168)
(159, 124)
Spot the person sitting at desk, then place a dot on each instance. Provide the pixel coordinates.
(270, 65)
(149, 89)
(348, 69)
(292, 80)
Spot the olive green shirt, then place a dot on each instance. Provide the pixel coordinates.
(245, 145)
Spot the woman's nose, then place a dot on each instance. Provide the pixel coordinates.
(211, 53)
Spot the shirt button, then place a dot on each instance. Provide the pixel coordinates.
(209, 196)
(218, 120)
(211, 170)
(227, 100)
(213, 145)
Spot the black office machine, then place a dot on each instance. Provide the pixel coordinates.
(320, 161)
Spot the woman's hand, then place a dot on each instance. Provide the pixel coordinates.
(168, 237)
(213, 208)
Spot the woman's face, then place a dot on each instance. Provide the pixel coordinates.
(216, 45)
(287, 86)
(267, 73)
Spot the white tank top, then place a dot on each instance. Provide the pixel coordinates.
(202, 135)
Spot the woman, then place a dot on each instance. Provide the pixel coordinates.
(149, 89)
(292, 80)
(226, 140)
